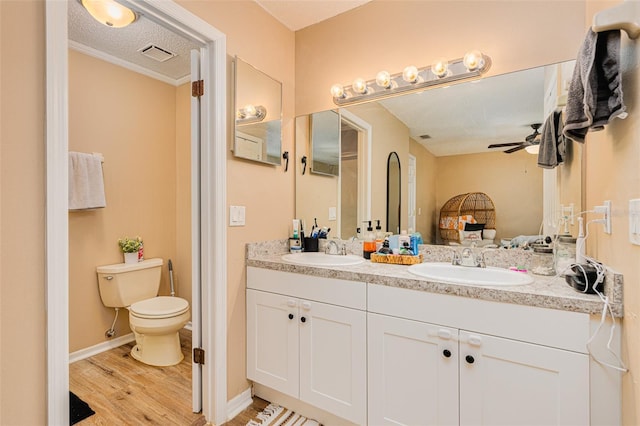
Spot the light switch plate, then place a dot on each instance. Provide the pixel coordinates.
(634, 221)
(332, 213)
(236, 215)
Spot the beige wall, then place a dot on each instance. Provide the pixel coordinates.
(267, 192)
(613, 164)
(514, 184)
(426, 174)
(22, 202)
(132, 120)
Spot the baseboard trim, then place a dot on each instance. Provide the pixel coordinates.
(100, 347)
(238, 403)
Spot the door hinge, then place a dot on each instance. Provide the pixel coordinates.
(197, 88)
(198, 356)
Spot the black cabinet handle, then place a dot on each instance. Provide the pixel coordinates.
(290, 316)
(303, 319)
(446, 353)
(469, 359)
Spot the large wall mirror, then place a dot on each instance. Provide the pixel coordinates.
(258, 107)
(325, 143)
(449, 130)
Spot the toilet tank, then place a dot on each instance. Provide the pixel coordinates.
(123, 284)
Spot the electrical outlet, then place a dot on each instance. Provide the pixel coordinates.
(607, 217)
(634, 221)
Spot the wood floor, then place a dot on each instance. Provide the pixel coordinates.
(124, 391)
(249, 413)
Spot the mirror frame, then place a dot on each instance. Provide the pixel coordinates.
(390, 158)
(262, 126)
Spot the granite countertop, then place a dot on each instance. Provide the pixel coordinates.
(545, 292)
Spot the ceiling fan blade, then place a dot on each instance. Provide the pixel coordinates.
(518, 148)
(501, 145)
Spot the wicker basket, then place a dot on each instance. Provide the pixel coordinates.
(396, 259)
(477, 204)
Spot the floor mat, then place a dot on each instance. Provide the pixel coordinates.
(78, 409)
(275, 415)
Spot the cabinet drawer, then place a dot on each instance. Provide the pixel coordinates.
(351, 294)
(549, 327)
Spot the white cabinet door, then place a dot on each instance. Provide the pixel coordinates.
(506, 382)
(272, 341)
(333, 359)
(413, 372)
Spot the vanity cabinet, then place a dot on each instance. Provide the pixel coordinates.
(306, 338)
(427, 374)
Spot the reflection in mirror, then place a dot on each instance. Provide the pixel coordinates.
(448, 131)
(258, 106)
(325, 143)
(394, 186)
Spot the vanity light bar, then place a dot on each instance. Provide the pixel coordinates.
(473, 65)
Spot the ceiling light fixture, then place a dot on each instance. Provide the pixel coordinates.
(109, 12)
(251, 114)
(412, 78)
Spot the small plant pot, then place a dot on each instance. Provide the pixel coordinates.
(131, 257)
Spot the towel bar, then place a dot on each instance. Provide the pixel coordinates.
(625, 16)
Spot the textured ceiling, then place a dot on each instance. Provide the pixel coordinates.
(125, 43)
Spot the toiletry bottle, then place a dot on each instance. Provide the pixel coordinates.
(404, 239)
(580, 244)
(379, 235)
(385, 247)
(369, 244)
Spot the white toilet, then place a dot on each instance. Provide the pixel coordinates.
(155, 320)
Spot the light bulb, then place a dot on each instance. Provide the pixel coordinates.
(473, 60)
(440, 68)
(359, 86)
(383, 79)
(410, 74)
(109, 12)
(250, 111)
(532, 149)
(337, 91)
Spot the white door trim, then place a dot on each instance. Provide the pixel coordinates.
(213, 199)
(364, 163)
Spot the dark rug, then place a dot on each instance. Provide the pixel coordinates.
(78, 409)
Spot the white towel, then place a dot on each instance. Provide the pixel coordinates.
(595, 91)
(86, 183)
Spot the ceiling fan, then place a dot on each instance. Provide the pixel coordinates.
(532, 139)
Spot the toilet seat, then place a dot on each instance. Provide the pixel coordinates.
(159, 307)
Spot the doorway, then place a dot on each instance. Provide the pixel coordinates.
(208, 159)
(354, 186)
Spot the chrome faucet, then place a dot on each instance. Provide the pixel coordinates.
(467, 257)
(332, 248)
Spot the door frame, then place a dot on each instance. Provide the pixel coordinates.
(212, 214)
(365, 135)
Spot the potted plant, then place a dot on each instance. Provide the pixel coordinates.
(130, 248)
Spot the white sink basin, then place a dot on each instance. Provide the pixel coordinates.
(489, 276)
(322, 259)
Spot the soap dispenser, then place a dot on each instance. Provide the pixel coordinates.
(369, 244)
(379, 235)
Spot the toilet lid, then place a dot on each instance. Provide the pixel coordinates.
(161, 306)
